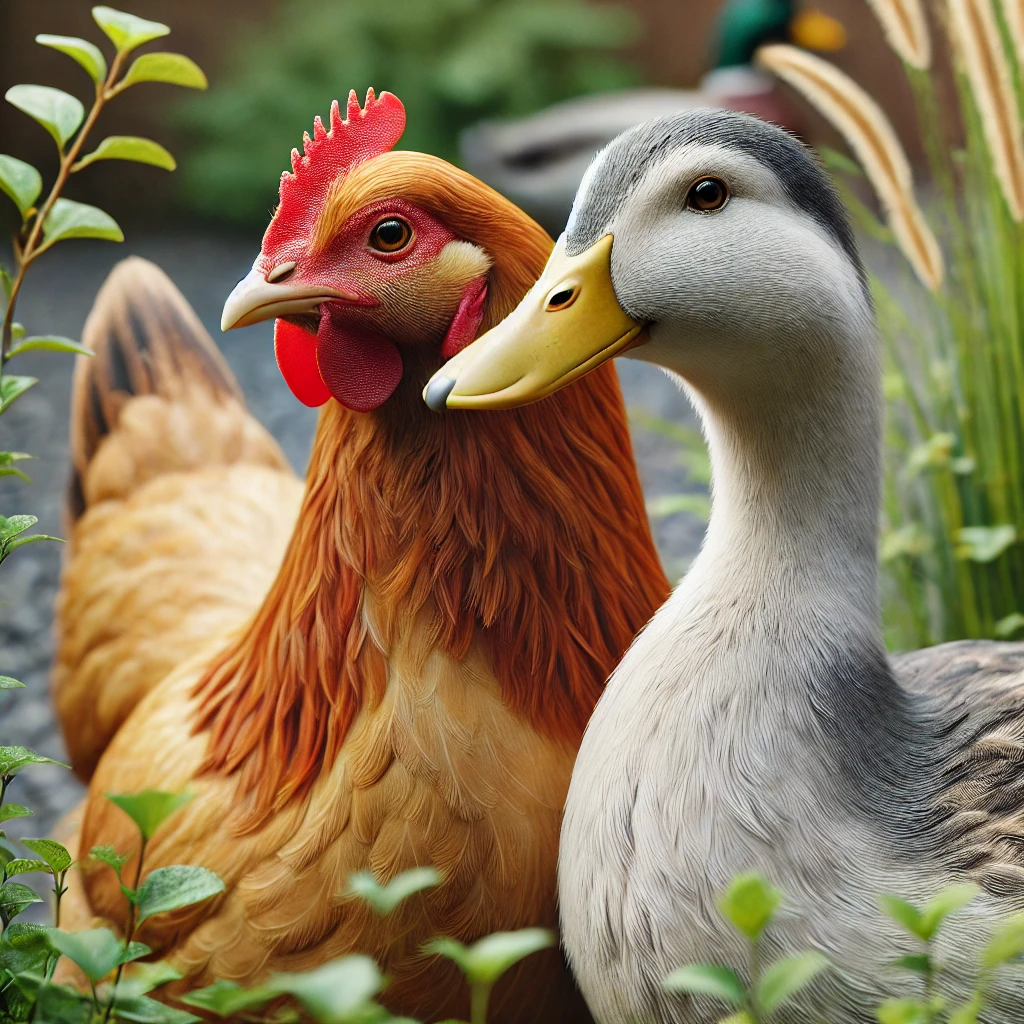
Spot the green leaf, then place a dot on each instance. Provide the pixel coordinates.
(173, 887)
(1007, 942)
(129, 147)
(487, 960)
(984, 543)
(50, 343)
(903, 913)
(14, 760)
(12, 388)
(15, 897)
(707, 980)
(944, 903)
(81, 50)
(134, 951)
(968, 1012)
(143, 1010)
(109, 856)
(58, 1004)
(785, 978)
(150, 808)
(22, 541)
(384, 898)
(902, 1011)
(21, 181)
(227, 998)
(1009, 625)
(13, 525)
(919, 963)
(68, 219)
(25, 947)
(935, 453)
(146, 977)
(51, 851)
(97, 951)
(173, 68)
(750, 903)
(126, 31)
(909, 540)
(20, 866)
(738, 1018)
(9, 811)
(340, 992)
(58, 112)
(7, 683)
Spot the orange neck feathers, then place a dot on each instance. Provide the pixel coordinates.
(525, 529)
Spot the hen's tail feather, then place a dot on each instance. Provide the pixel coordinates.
(148, 341)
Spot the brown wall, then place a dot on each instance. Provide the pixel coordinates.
(673, 53)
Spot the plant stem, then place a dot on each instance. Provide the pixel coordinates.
(755, 977)
(129, 931)
(478, 999)
(27, 253)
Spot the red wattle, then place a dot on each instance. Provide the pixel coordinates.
(361, 370)
(468, 318)
(295, 350)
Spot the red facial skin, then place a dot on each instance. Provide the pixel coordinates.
(353, 360)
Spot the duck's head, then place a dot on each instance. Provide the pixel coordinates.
(708, 242)
(744, 25)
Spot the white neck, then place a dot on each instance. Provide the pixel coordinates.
(796, 468)
(794, 431)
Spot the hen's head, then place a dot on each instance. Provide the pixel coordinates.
(372, 252)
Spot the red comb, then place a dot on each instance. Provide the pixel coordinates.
(366, 132)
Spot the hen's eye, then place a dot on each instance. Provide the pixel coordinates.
(707, 195)
(391, 235)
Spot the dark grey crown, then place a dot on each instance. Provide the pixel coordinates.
(625, 160)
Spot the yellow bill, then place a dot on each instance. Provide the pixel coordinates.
(815, 30)
(569, 323)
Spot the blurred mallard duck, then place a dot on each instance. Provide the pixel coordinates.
(538, 161)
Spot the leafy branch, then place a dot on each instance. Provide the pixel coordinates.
(56, 219)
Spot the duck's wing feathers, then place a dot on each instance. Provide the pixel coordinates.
(977, 691)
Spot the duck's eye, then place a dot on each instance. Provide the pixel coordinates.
(391, 235)
(707, 195)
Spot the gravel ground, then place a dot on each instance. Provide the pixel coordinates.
(57, 300)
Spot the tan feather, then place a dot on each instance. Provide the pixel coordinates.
(906, 30)
(974, 29)
(871, 137)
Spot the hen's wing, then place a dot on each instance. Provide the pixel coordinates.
(179, 508)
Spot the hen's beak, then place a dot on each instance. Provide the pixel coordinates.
(569, 323)
(254, 299)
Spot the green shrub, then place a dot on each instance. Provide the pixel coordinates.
(451, 62)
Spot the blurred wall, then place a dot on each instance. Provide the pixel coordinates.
(674, 53)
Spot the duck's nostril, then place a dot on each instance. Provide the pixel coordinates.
(561, 298)
(280, 272)
(438, 390)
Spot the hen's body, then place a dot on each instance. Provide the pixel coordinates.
(181, 506)
(392, 668)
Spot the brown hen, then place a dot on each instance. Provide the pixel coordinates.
(390, 667)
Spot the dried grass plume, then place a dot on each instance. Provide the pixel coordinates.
(906, 30)
(871, 137)
(1013, 11)
(974, 29)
